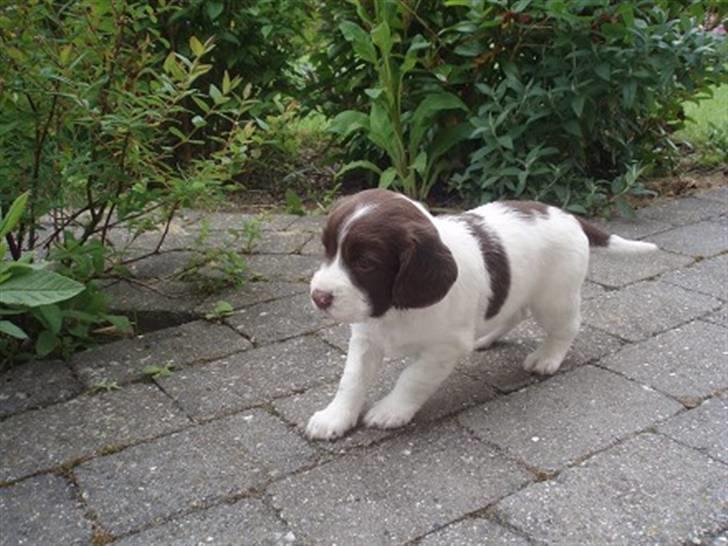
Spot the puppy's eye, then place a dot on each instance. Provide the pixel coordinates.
(364, 263)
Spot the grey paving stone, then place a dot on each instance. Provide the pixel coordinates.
(704, 428)
(643, 309)
(298, 408)
(502, 364)
(618, 270)
(151, 481)
(60, 434)
(244, 523)
(561, 420)
(718, 317)
(715, 194)
(35, 384)
(284, 267)
(689, 362)
(682, 211)
(591, 290)
(254, 292)
(156, 304)
(280, 319)
(162, 265)
(720, 539)
(312, 223)
(42, 510)
(337, 335)
(707, 276)
(314, 247)
(280, 242)
(631, 229)
(457, 393)
(397, 491)
(249, 378)
(701, 239)
(648, 490)
(124, 360)
(474, 532)
(222, 221)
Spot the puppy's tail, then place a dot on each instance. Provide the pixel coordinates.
(613, 243)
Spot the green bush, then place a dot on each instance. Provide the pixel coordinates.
(93, 103)
(259, 40)
(567, 101)
(44, 311)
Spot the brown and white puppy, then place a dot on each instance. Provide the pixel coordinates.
(440, 287)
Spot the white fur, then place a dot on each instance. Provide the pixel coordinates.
(548, 258)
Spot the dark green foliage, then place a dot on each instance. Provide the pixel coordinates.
(258, 40)
(567, 100)
(100, 123)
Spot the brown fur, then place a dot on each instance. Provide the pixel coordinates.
(393, 252)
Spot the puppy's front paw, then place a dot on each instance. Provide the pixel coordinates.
(329, 424)
(389, 413)
(542, 364)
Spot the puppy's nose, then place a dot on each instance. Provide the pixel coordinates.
(322, 299)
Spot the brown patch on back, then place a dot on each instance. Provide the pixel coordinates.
(393, 252)
(596, 236)
(528, 210)
(495, 260)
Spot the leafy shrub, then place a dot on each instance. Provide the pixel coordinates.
(93, 104)
(567, 100)
(257, 39)
(51, 308)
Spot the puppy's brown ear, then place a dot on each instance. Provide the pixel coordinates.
(427, 269)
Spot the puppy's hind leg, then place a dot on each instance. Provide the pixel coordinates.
(493, 336)
(561, 321)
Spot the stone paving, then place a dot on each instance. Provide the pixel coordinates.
(627, 444)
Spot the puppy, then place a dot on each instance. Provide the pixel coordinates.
(440, 287)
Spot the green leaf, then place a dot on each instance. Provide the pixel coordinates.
(199, 121)
(603, 70)
(577, 105)
(506, 141)
(214, 8)
(449, 137)
(410, 58)
(349, 121)
(294, 205)
(9, 329)
(382, 38)
(426, 111)
(387, 177)
(216, 95)
(573, 127)
(226, 83)
(222, 308)
(196, 46)
(626, 10)
(577, 209)
(420, 163)
(360, 164)
(381, 131)
(120, 322)
(51, 317)
(46, 342)
(15, 212)
(38, 287)
(360, 41)
(629, 92)
(624, 208)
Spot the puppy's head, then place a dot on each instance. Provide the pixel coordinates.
(382, 251)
